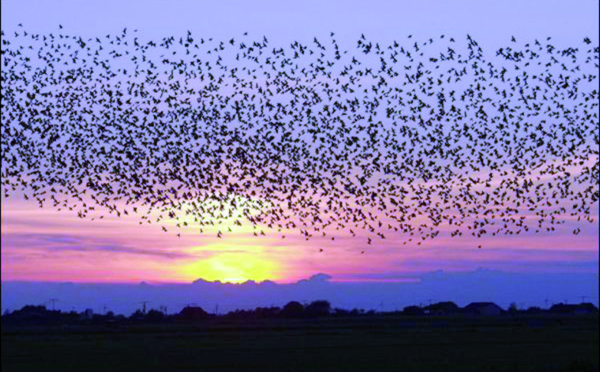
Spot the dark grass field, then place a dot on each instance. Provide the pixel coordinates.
(378, 343)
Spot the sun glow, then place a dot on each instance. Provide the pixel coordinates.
(232, 268)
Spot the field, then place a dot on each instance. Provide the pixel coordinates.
(376, 343)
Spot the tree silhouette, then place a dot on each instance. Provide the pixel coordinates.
(293, 309)
(318, 308)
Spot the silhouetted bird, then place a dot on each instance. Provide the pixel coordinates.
(309, 137)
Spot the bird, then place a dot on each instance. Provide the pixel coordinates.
(421, 143)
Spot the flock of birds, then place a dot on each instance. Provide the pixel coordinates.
(407, 137)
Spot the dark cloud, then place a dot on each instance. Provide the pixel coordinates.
(117, 248)
(40, 238)
(74, 243)
(510, 259)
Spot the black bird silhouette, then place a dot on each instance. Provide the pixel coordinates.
(420, 141)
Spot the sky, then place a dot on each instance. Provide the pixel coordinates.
(46, 245)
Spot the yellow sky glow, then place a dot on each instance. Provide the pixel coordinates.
(231, 267)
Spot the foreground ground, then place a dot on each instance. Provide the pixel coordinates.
(378, 343)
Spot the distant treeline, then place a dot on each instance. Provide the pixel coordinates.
(32, 314)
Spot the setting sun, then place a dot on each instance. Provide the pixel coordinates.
(231, 268)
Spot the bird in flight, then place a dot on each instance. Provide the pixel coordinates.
(307, 137)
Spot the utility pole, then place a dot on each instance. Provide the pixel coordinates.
(144, 304)
(53, 300)
(583, 299)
